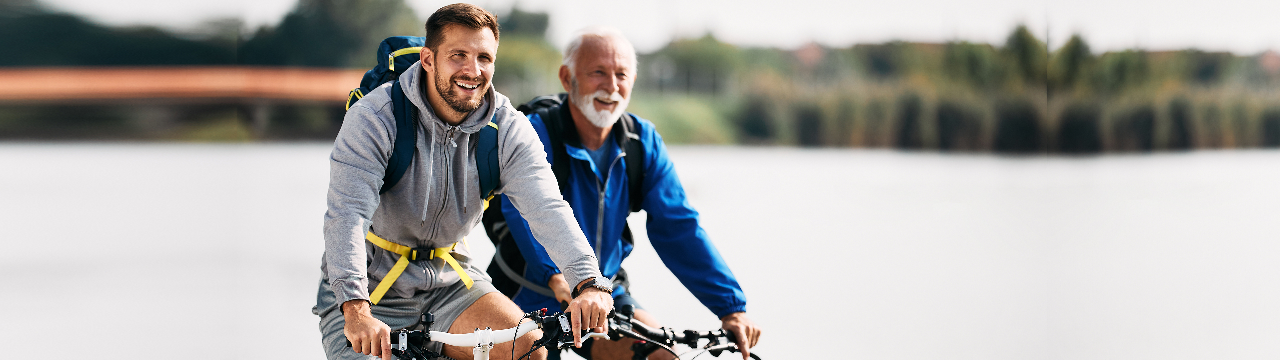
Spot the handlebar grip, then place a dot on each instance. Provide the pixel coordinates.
(645, 330)
(728, 335)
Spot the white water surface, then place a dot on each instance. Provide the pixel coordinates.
(212, 251)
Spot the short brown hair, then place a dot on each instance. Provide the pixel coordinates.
(458, 14)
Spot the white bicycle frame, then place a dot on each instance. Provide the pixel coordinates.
(482, 340)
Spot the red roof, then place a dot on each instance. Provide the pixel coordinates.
(177, 82)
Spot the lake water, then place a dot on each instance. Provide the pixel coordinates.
(212, 251)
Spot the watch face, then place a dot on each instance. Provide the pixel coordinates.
(606, 285)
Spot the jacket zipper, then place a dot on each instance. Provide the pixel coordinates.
(600, 210)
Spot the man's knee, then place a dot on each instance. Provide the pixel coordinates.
(517, 349)
(492, 310)
(497, 312)
(524, 345)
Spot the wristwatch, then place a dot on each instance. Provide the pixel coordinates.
(595, 283)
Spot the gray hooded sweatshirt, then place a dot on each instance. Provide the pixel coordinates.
(437, 202)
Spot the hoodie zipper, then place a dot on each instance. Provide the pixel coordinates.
(448, 161)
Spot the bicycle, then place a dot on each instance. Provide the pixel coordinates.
(412, 344)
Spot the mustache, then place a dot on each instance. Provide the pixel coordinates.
(613, 97)
(479, 80)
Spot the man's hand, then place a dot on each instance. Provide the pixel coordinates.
(561, 288)
(745, 332)
(367, 334)
(590, 311)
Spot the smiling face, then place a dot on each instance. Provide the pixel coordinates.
(600, 80)
(459, 70)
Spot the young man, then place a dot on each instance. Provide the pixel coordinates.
(599, 71)
(436, 203)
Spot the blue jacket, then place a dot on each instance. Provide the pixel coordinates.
(672, 224)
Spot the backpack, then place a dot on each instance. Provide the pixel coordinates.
(395, 55)
(507, 267)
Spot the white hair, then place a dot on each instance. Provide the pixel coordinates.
(603, 32)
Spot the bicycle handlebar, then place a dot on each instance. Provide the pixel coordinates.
(484, 336)
(479, 337)
(410, 344)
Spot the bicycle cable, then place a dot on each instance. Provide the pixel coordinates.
(637, 336)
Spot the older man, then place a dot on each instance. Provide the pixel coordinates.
(404, 241)
(590, 139)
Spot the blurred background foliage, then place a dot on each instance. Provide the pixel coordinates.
(1021, 96)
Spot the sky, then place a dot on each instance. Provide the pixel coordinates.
(1240, 26)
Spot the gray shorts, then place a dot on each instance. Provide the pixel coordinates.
(445, 303)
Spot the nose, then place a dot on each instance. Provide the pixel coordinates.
(472, 69)
(610, 85)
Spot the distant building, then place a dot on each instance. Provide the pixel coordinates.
(1270, 61)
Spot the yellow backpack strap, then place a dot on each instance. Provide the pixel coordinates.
(391, 58)
(407, 254)
(443, 253)
(353, 96)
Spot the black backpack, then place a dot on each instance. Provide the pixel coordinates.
(395, 55)
(508, 265)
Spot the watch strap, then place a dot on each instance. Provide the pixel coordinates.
(592, 283)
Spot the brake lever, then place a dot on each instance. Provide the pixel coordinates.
(730, 347)
(568, 340)
(560, 324)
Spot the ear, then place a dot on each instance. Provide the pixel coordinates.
(428, 59)
(565, 78)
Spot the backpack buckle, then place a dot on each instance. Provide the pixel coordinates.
(422, 254)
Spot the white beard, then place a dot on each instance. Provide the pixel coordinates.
(602, 118)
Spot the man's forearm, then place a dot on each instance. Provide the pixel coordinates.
(560, 287)
(353, 307)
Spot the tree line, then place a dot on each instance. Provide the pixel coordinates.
(1021, 96)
